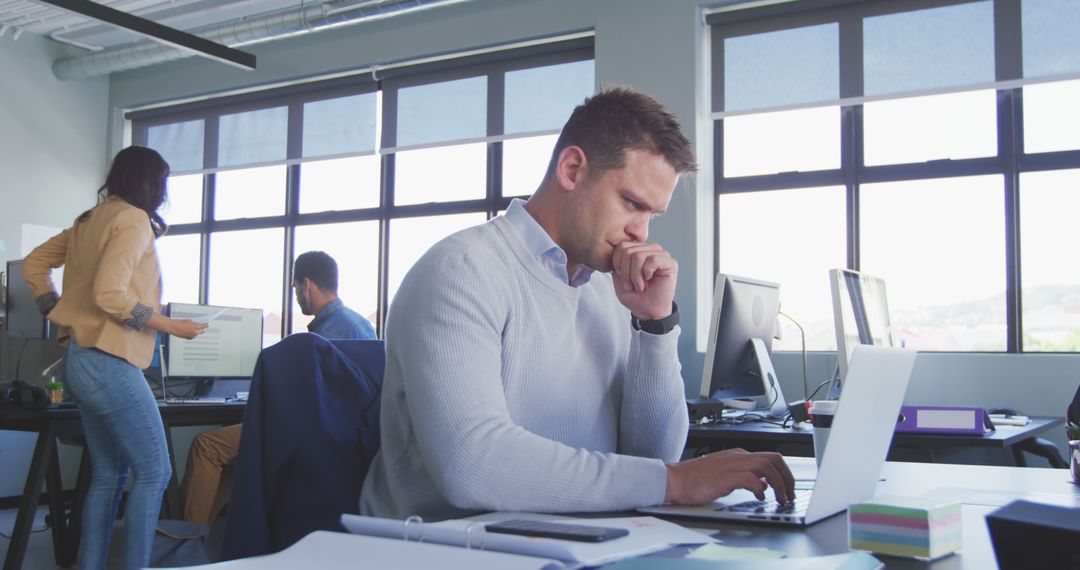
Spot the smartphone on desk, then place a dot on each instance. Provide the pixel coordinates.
(561, 531)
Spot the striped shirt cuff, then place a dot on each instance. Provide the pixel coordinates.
(140, 315)
(46, 301)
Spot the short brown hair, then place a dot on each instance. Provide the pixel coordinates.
(618, 119)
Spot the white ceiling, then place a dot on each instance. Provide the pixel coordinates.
(27, 16)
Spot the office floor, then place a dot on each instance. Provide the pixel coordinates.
(39, 551)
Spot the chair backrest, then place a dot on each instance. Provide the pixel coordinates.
(311, 429)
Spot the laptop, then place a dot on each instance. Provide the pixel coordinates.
(858, 443)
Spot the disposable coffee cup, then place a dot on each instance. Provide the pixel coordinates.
(821, 416)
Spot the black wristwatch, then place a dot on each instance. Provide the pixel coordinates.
(657, 326)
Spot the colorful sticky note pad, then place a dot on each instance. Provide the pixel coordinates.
(914, 527)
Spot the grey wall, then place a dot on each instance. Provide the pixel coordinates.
(53, 156)
(52, 140)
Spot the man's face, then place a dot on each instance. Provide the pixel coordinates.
(300, 288)
(614, 207)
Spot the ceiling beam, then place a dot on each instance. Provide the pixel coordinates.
(158, 32)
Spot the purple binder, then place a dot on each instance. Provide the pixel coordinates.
(952, 420)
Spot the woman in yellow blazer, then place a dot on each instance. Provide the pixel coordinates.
(108, 315)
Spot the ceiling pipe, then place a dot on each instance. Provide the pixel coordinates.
(55, 36)
(240, 32)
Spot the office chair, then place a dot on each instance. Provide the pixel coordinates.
(311, 429)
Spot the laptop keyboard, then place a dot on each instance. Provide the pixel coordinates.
(798, 506)
(194, 400)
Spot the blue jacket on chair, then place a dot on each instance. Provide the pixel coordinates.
(311, 429)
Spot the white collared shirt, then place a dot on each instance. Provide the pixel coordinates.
(539, 244)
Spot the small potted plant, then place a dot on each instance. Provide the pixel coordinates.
(56, 392)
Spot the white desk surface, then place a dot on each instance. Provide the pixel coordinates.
(982, 489)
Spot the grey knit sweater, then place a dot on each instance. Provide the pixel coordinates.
(507, 389)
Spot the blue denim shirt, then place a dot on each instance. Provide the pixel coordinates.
(336, 321)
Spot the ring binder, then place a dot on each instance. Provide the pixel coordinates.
(405, 528)
(468, 535)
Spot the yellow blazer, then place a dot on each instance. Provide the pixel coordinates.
(112, 281)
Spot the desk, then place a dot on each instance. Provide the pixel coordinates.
(911, 479)
(761, 436)
(829, 536)
(57, 422)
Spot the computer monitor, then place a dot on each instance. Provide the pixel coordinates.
(228, 349)
(22, 316)
(860, 313)
(737, 364)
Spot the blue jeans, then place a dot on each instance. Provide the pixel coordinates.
(123, 432)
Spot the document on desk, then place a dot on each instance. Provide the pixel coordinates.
(848, 561)
(996, 498)
(327, 550)
(647, 535)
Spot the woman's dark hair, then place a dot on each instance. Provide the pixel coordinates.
(137, 175)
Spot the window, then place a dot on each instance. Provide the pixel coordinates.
(788, 237)
(441, 174)
(185, 200)
(339, 184)
(924, 142)
(944, 266)
(525, 161)
(245, 271)
(355, 248)
(373, 173)
(782, 141)
(1051, 282)
(179, 259)
(250, 193)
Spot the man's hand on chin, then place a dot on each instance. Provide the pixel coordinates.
(644, 276)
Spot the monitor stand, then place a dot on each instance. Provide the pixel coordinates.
(762, 366)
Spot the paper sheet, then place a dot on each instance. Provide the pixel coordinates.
(721, 552)
(205, 319)
(340, 551)
(1000, 498)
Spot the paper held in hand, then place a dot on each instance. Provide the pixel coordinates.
(206, 319)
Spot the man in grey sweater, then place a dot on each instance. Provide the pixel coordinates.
(532, 362)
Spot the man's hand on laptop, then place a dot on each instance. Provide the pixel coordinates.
(704, 479)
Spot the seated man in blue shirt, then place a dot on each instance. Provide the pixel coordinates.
(315, 282)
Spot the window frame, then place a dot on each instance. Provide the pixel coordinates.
(493, 64)
(1009, 162)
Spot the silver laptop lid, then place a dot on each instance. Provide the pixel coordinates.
(862, 430)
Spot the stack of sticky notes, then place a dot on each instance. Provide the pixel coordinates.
(916, 527)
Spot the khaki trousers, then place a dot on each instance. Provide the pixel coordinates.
(206, 484)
